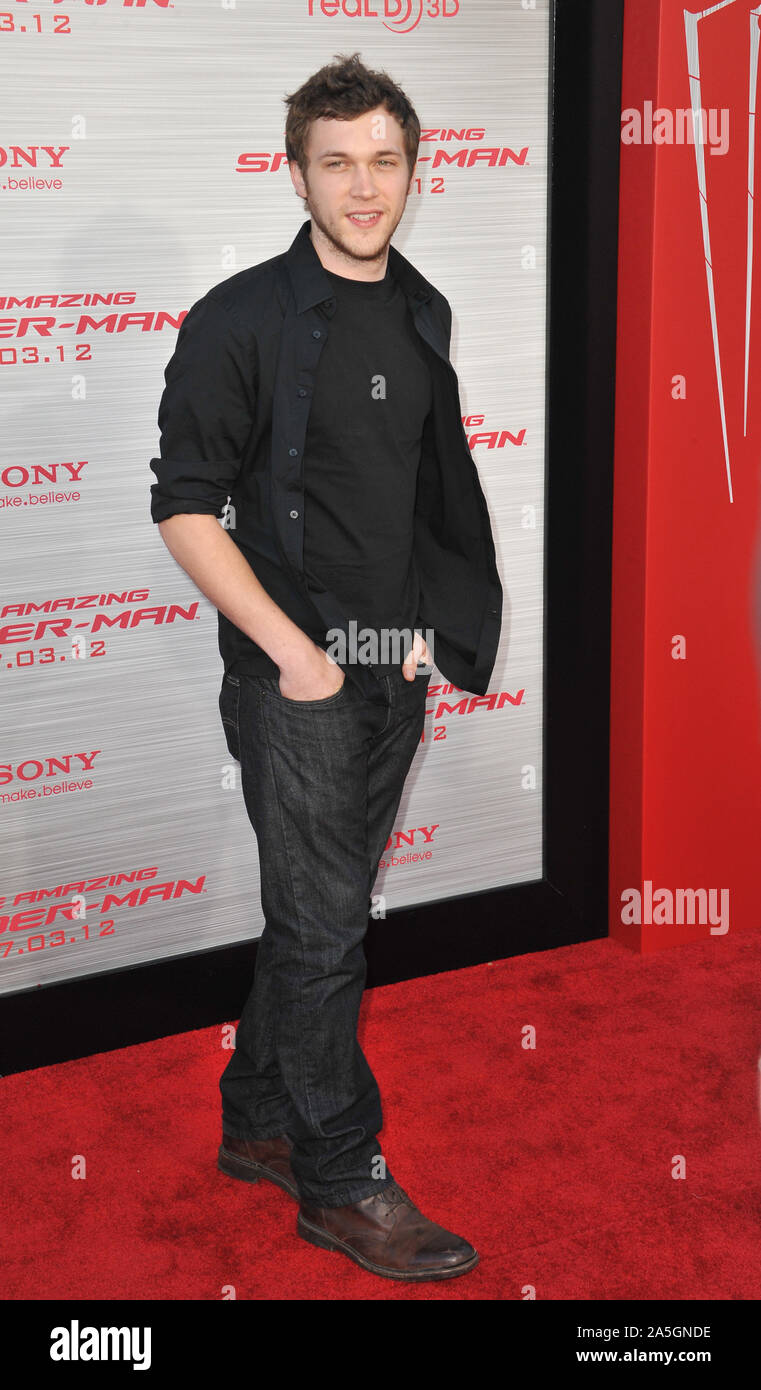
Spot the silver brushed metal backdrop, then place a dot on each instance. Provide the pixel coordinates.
(123, 833)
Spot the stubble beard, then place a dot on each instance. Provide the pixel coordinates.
(342, 247)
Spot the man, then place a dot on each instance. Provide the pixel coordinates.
(314, 391)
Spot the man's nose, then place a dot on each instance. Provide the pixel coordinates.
(363, 183)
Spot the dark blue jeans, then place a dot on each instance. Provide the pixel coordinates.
(322, 781)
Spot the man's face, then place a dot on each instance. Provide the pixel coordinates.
(358, 166)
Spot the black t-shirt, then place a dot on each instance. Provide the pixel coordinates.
(361, 457)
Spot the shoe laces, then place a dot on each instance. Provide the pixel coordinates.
(395, 1196)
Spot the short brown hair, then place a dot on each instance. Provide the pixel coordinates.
(342, 90)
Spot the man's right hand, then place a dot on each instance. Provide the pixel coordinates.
(207, 552)
(313, 676)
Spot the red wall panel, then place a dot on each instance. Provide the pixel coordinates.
(685, 733)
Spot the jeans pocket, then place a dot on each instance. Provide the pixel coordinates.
(229, 700)
(333, 699)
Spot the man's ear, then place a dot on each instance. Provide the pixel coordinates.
(297, 178)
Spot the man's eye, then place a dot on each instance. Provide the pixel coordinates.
(334, 163)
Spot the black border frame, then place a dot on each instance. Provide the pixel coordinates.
(134, 1004)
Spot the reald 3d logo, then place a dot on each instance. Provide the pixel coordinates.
(400, 16)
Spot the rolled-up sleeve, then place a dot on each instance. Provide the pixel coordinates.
(206, 413)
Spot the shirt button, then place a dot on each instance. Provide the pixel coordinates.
(293, 514)
(316, 333)
(293, 453)
(302, 392)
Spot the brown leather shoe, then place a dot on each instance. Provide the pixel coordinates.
(387, 1235)
(252, 1159)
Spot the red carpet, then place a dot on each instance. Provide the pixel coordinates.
(556, 1163)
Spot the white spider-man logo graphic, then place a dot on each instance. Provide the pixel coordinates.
(692, 22)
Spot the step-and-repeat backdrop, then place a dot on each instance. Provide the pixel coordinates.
(141, 162)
